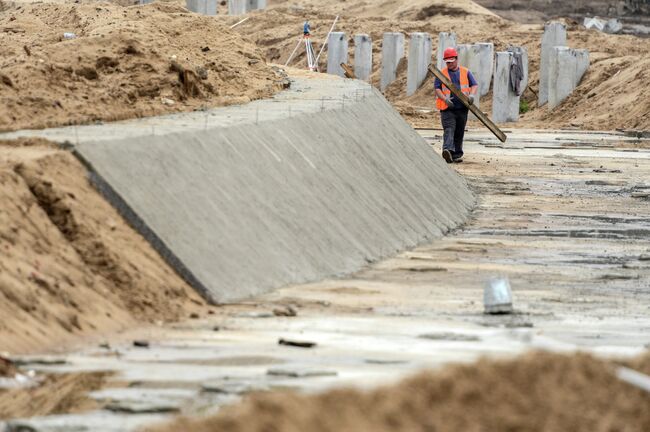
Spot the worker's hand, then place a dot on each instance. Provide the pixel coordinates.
(449, 103)
(470, 98)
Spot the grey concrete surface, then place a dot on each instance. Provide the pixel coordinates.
(240, 205)
(505, 102)
(392, 51)
(554, 35)
(562, 75)
(237, 7)
(362, 56)
(255, 5)
(582, 64)
(479, 59)
(337, 53)
(419, 59)
(445, 40)
(204, 7)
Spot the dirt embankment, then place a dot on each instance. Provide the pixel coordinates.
(538, 392)
(123, 62)
(70, 266)
(611, 94)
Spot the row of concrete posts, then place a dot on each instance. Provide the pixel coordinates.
(209, 7)
(561, 68)
(479, 58)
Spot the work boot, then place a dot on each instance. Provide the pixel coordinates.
(446, 155)
(458, 159)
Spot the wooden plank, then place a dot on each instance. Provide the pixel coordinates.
(349, 73)
(477, 112)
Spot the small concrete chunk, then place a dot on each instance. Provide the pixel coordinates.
(337, 53)
(362, 56)
(392, 51)
(236, 388)
(419, 60)
(497, 296)
(554, 35)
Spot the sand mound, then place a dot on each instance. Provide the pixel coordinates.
(538, 392)
(124, 62)
(70, 265)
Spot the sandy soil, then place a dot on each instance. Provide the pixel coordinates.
(65, 393)
(538, 392)
(124, 63)
(70, 266)
(611, 85)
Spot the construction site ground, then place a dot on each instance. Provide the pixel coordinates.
(113, 339)
(562, 214)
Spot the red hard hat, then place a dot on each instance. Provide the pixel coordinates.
(449, 52)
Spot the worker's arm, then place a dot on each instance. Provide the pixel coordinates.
(473, 89)
(440, 94)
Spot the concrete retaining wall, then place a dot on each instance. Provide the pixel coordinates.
(311, 193)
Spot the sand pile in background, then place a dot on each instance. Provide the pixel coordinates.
(610, 96)
(70, 266)
(537, 392)
(124, 62)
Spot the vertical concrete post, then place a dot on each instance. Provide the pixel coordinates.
(255, 5)
(562, 75)
(337, 53)
(237, 7)
(419, 60)
(505, 103)
(210, 7)
(392, 51)
(485, 66)
(445, 40)
(554, 35)
(469, 57)
(582, 58)
(524, 63)
(362, 56)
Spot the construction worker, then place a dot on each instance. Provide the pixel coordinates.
(306, 29)
(453, 114)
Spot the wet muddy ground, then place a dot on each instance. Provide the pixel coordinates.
(565, 216)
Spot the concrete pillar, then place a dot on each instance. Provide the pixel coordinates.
(204, 7)
(554, 35)
(445, 40)
(419, 60)
(485, 53)
(566, 69)
(505, 103)
(237, 7)
(255, 5)
(524, 60)
(337, 53)
(582, 58)
(362, 56)
(392, 51)
(468, 56)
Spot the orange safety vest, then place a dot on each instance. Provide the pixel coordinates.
(464, 87)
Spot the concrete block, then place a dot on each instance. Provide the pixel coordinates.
(468, 57)
(204, 7)
(337, 53)
(562, 75)
(445, 40)
(362, 56)
(505, 102)
(479, 59)
(255, 5)
(582, 64)
(524, 60)
(554, 35)
(419, 60)
(237, 7)
(392, 51)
